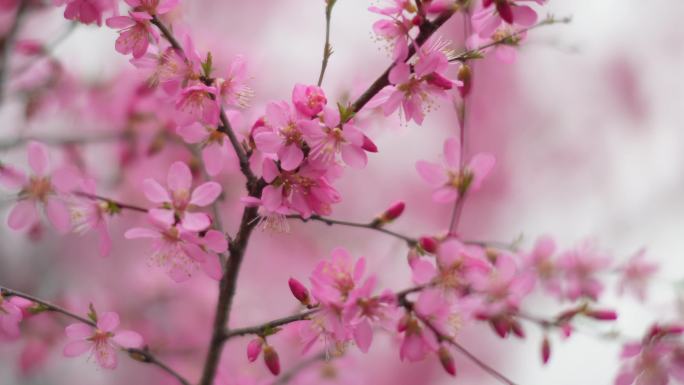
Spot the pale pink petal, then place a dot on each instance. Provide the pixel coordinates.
(481, 165)
(195, 221)
(179, 177)
(76, 348)
(108, 321)
(452, 151)
(79, 331)
(214, 159)
(58, 214)
(193, 133)
(154, 192)
(431, 173)
(354, 156)
(141, 232)
(212, 267)
(164, 216)
(128, 339)
(524, 15)
(23, 214)
(268, 142)
(363, 336)
(216, 241)
(291, 157)
(272, 197)
(166, 6)
(400, 73)
(205, 194)
(106, 357)
(422, 272)
(269, 170)
(120, 22)
(446, 194)
(38, 157)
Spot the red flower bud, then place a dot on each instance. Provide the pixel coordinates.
(271, 359)
(440, 81)
(394, 211)
(254, 349)
(602, 315)
(505, 11)
(417, 20)
(546, 350)
(299, 291)
(428, 244)
(447, 360)
(368, 145)
(501, 326)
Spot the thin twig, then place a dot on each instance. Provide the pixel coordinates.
(259, 329)
(121, 205)
(327, 49)
(328, 221)
(142, 355)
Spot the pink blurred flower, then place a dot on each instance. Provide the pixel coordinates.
(540, 261)
(655, 360)
(395, 30)
(580, 267)
(489, 16)
(40, 189)
(197, 103)
(332, 281)
(363, 309)
(450, 179)
(102, 341)
(153, 7)
(216, 149)
(85, 11)
(135, 33)
(636, 274)
(10, 316)
(90, 214)
(502, 287)
(233, 88)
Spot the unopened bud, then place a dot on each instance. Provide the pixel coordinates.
(505, 11)
(602, 315)
(394, 211)
(254, 349)
(517, 329)
(447, 360)
(428, 244)
(465, 75)
(368, 145)
(271, 360)
(546, 350)
(439, 81)
(299, 291)
(417, 20)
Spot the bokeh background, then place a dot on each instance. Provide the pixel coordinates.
(587, 128)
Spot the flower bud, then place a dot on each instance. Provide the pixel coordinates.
(517, 329)
(447, 360)
(271, 360)
(439, 81)
(254, 349)
(428, 244)
(505, 11)
(394, 211)
(368, 145)
(299, 291)
(546, 350)
(465, 75)
(417, 20)
(602, 315)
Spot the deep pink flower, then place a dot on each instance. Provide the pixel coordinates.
(135, 33)
(180, 253)
(334, 138)
(102, 341)
(41, 189)
(308, 100)
(333, 281)
(363, 309)
(85, 11)
(10, 316)
(285, 135)
(450, 180)
(180, 198)
(395, 30)
(488, 17)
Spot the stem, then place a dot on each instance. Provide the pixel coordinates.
(426, 30)
(112, 201)
(327, 49)
(328, 221)
(142, 355)
(259, 329)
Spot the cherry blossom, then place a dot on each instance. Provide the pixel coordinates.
(135, 33)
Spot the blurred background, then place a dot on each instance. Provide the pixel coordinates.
(586, 126)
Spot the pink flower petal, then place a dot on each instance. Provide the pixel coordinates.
(291, 157)
(179, 177)
(38, 157)
(524, 15)
(154, 192)
(354, 156)
(212, 267)
(58, 214)
(431, 173)
(363, 336)
(205, 194)
(76, 348)
(268, 142)
(108, 321)
(141, 232)
(128, 339)
(79, 331)
(452, 151)
(445, 195)
(195, 221)
(23, 214)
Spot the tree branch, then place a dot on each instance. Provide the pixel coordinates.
(327, 49)
(260, 329)
(142, 355)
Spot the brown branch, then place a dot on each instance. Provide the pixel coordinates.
(112, 201)
(260, 329)
(327, 49)
(328, 221)
(142, 355)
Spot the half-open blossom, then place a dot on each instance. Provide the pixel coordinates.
(40, 189)
(179, 252)
(449, 179)
(101, 341)
(135, 33)
(10, 316)
(308, 100)
(487, 18)
(180, 198)
(335, 138)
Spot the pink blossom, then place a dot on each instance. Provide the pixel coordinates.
(363, 309)
(396, 30)
(333, 281)
(135, 33)
(41, 189)
(305, 191)
(636, 274)
(581, 266)
(179, 199)
(216, 148)
(488, 17)
(102, 340)
(419, 340)
(334, 138)
(654, 361)
(180, 253)
(285, 135)
(233, 88)
(170, 68)
(308, 100)
(90, 214)
(10, 316)
(85, 11)
(540, 261)
(450, 180)
(197, 103)
(454, 260)
(413, 87)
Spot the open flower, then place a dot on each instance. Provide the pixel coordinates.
(450, 180)
(179, 199)
(336, 138)
(135, 33)
(40, 189)
(102, 341)
(91, 214)
(85, 11)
